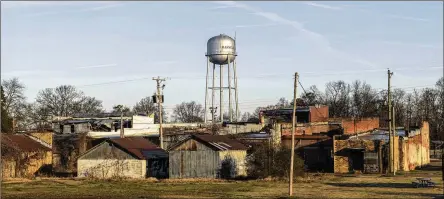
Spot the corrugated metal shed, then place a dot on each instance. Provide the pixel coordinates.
(215, 142)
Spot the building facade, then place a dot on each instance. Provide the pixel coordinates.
(133, 157)
(207, 156)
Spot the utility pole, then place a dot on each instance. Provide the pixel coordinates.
(120, 108)
(394, 137)
(159, 100)
(389, 103)
(290, 186)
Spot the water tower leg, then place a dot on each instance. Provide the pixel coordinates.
(213, 110)
(235, 90)
(206, 91)
(230, 112)
(221, 111)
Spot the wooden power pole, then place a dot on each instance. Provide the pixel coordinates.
(391, 139)
(159, 100)
(290, 186)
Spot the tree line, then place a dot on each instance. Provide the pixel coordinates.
(357, 100)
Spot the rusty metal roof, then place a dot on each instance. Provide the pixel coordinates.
(23, 143)
(219, 142)
(137, 146)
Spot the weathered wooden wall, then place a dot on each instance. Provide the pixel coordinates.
(193, 164)
(106, 151)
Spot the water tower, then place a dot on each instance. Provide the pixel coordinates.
(221, 52)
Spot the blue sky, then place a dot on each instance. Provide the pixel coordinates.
(47, 44)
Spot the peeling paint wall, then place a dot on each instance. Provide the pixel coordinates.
(106, 161)
(416, 150)
(10, 169)
(44, 136)
(108, 168)
(239, 158)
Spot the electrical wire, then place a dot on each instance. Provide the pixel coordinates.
(268, 76)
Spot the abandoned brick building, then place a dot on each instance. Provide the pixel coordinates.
(368, 153)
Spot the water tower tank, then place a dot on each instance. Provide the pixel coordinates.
(220, 48)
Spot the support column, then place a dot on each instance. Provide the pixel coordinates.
(213, 95)
(221, 110)
(235, 90)
(206, 90)
(230, 113)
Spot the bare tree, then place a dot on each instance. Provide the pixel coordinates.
(364, 100)
(148, 107)
(88, 105)
(312, 96)
(188, 112)
(15, 100)
(6, 125)
(14, 97)
(338, 98)
(283, 103)
(66, 101)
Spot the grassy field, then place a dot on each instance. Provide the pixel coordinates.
(312, 186)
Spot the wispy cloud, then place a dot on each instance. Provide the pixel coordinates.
(411, 44)
(314, 37)
(22, 73)
(344, 7)
(407, 18)
(103, 7)
(246, 26)
(96, 66)
(68, 7)
(22, 4)
(319, 5)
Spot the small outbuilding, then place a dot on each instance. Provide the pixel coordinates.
(133, 157)
(207, 156)
(24, 156)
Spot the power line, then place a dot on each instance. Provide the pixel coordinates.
(267, 76)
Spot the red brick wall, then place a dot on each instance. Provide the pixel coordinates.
(306, 130)
(362, 125)
(319, 114)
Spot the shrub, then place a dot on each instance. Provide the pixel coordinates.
(266, 161)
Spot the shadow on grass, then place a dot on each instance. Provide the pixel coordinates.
(380, 185)
(422, 195)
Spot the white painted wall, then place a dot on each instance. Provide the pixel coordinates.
(108, 168)
(153, 130)
(239, 156)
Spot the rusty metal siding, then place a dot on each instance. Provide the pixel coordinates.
(193, 164)
(105, 151)
(192, 145)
